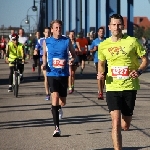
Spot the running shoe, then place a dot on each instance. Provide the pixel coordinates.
(47, 98)
(70, 91)
(100, 96)
(57, 133)
(72, 88)
(21, 79)
(60, 113)
(10, 89)
(33, 69)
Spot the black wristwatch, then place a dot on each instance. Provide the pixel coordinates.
(140, 71)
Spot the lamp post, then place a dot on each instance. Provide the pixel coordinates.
(34, 8)
(21, 23)
(27, 21)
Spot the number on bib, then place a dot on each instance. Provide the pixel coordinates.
(120, 72)
(59, 63)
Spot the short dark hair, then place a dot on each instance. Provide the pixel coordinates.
(72, 31)
(46, 28)
(55, 21)
(100, 28)
(116, 16)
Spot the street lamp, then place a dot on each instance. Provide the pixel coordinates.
(34, 8)
(23, 25)
(27, 21)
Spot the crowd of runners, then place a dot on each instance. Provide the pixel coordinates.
(58, 56)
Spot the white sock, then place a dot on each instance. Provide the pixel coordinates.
(10, 85)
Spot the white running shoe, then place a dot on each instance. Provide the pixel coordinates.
(60, 113)
(57, 133)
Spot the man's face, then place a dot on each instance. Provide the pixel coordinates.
(21, 32)
(71, 35)
(46, 33)
(116, 26)
(15, 41)
(12, 31)
(101, 33)
(37, 35)
(80, 35)
(56, 29)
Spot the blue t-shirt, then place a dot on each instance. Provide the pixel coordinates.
(57, 56)
(39, 46)
(96, 42)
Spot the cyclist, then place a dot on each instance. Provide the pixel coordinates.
(15, 50)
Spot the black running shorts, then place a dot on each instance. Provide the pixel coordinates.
(82, 57)
(121, 100)
(58, 84)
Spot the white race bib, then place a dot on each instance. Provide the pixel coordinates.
(120, 72)
(59, 63)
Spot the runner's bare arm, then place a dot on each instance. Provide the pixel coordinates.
(101, 67)
(44, 54)
(78, 45)
(7, 55)
(71, 49)
(144, 63)
(101, 70)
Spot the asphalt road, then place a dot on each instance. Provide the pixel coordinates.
(26, 122)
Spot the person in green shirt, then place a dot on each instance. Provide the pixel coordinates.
(122, 53)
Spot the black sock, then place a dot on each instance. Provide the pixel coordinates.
(55, 113)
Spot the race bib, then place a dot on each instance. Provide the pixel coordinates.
(120, 72)
(59, 63)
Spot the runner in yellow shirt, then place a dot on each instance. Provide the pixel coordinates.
(122, 53)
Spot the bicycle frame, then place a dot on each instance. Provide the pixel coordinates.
(16, 76)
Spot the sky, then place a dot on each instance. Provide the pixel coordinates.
(13, 12)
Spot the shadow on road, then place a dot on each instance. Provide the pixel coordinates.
(49, 121)
(124, 148)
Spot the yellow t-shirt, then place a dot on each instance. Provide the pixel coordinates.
(122, 57)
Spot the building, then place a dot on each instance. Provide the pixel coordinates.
(6, 31)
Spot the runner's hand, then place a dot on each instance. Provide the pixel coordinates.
(71, 61)
(95, 48)
(134, 74)
(43, 67)
(100, 76)
(35, 52)
(6, 60)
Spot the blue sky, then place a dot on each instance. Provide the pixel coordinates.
(14, 11)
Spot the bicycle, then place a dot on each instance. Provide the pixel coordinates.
(16, 76)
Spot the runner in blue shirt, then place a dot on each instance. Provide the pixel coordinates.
(56, 49)
(94, 50)
(39, 49)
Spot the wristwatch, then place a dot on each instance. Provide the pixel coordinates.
(140, 71)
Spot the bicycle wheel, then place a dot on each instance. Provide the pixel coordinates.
(16, 85)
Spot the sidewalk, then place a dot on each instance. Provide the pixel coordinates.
(26, 122)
